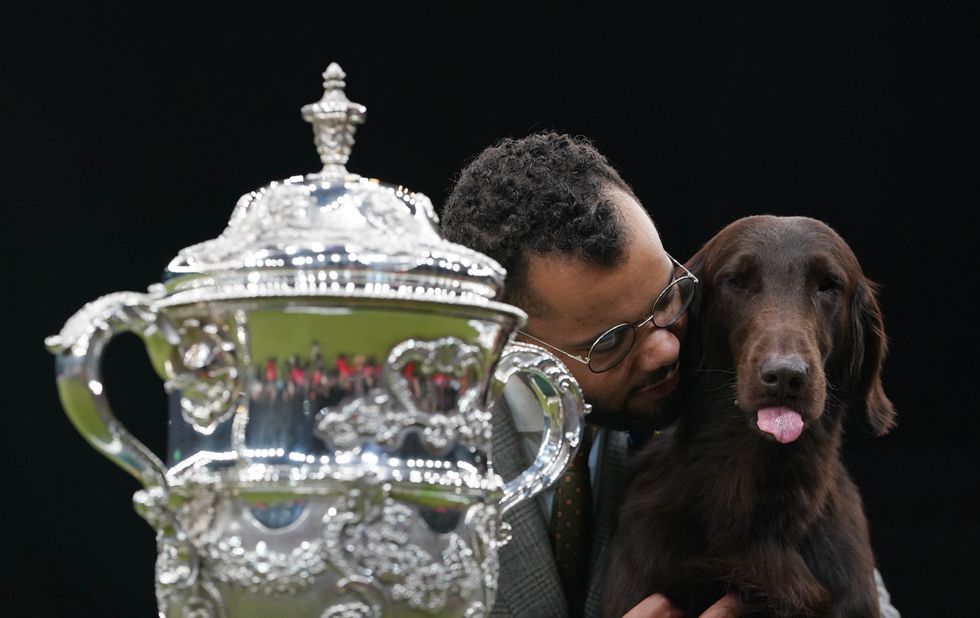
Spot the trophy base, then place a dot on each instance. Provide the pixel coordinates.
(251, 545)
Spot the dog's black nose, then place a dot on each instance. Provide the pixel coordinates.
(783, 375)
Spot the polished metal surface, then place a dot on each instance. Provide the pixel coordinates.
(330, 361)
(334, 233)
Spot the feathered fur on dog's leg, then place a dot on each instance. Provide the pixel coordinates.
(837, 548)
(790, 587)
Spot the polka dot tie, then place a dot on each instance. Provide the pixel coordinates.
(571, 525)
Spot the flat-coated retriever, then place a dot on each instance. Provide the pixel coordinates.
(746, 492)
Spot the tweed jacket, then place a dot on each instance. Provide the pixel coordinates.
(529, 586)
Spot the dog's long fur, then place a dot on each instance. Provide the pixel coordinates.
(715, 504)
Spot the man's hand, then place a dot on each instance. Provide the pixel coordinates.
(657, 606)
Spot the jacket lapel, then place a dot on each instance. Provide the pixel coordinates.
(610, 480)
(528, 585)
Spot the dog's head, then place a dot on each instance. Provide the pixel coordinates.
(785, 304)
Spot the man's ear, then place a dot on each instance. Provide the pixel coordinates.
(869, 347)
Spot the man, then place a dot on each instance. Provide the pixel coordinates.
(582, 257)
(586, 263)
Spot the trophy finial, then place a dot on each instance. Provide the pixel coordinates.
(333, 77)
(334, 119)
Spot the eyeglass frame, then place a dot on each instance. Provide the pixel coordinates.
(586, 360)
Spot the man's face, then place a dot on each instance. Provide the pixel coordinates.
(584, 300)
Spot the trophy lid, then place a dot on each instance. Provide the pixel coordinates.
(333, 233)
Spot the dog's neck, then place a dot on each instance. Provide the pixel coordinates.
(748, 481)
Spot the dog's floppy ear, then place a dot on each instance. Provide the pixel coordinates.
(867, 357)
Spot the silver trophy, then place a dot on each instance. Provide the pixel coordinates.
(330, 361)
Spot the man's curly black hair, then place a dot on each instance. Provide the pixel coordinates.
(544, 193)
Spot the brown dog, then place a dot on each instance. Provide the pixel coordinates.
(747, 493)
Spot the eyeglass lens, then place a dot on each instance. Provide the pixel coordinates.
(673, 302)
(610, 348)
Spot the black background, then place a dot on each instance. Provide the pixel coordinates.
(128, 134)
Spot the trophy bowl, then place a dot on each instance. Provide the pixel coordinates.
(331, 362)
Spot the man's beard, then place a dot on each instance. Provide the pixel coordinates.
(617, 421)
(643, 423)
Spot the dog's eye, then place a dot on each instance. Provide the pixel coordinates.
(735, 281)
(829, 283)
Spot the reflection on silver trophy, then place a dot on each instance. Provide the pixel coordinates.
(329, 359)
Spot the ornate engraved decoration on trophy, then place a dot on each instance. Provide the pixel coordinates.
(203, 369)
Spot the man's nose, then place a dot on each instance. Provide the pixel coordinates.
(658, 347)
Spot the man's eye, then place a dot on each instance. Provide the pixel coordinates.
(608, 342)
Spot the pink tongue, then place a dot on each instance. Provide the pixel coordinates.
(784, 424)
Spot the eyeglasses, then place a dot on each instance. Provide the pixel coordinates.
(612, 346)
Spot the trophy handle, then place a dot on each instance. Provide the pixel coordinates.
(78, 349)
(563, 406)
